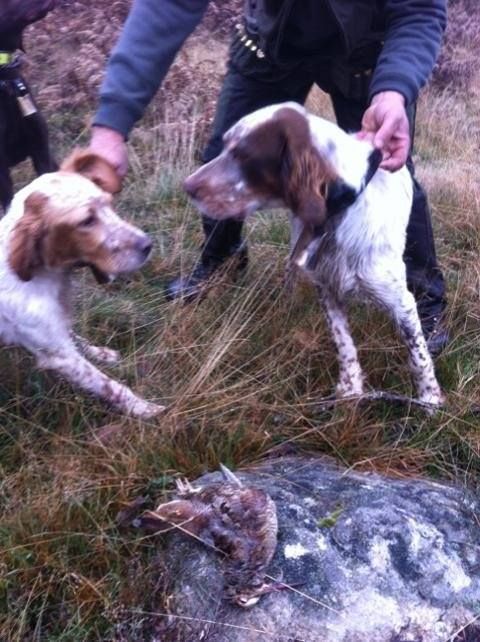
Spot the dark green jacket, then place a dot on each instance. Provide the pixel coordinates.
(156, 29)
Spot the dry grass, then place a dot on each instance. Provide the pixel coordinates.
(242, 373)
(70, 79)
(457, 65)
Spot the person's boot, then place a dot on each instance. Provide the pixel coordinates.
(223, 241)
(192, 285)
(431, 311)
(435, 330)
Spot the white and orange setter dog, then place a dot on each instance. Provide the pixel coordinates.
(348, 221)
(61, 221)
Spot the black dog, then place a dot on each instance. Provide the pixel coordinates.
(23, 130)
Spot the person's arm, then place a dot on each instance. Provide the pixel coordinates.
(414, 30)
(153, 33)
(412, 43)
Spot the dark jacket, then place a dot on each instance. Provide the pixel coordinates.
(156, 29)
(408, 33)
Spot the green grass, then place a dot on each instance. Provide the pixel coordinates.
(242, 373)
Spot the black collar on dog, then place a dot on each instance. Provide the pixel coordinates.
(11, 70)
(7, 57)
(341, 195)
(374, 161)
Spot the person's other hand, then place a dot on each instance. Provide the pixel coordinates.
(110, 145)
(385, 124)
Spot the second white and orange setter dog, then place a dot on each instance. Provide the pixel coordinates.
(348, 221)
(59, 222)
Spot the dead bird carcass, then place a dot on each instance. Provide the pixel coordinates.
(239, 521)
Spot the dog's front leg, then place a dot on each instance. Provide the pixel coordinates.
(98, 353)
(80, 372)
(350, 376)
(36, 132)
(6, 186)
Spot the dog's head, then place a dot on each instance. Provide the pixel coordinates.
(273, 157)
(68, 221)
(21, 14)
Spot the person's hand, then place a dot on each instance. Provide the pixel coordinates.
(110, 145)
(385, 124)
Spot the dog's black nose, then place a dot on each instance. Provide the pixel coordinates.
(145, 245)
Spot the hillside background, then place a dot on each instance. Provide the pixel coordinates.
(242, 372)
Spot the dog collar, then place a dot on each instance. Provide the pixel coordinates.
(6, 57)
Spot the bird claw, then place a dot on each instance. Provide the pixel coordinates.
(250, 597)
(184, 487)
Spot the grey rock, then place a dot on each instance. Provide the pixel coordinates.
(369, 559)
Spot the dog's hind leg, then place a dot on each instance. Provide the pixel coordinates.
(420, 360)
(350, 376)
(392, 294)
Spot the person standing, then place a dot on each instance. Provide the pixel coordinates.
(371, 56)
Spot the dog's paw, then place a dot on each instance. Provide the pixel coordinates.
(106, 355)
(145, 409)
(429, 392)
(343, 391)
(433, 400)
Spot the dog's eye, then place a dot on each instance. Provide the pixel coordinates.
(90, 220)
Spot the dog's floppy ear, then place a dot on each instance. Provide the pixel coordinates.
(93, 167)
(305, 173)
(307, 187)
(25, 253)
